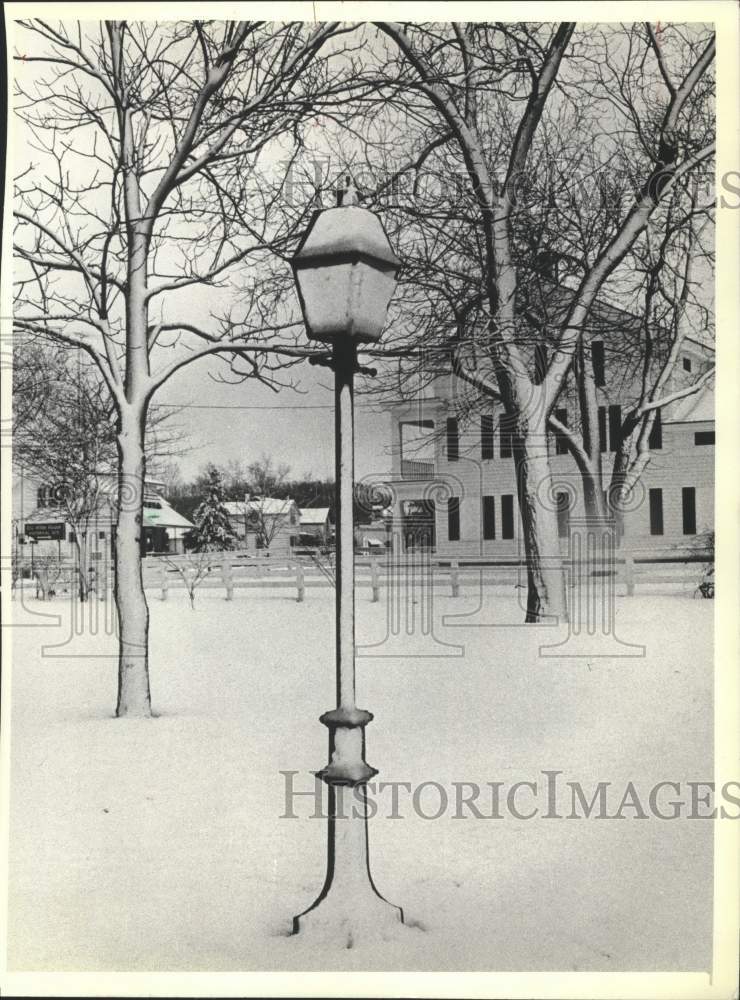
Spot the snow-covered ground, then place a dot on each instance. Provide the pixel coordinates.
(158, 845)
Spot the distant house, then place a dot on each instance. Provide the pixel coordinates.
(314, 527)
(39, 523)
(265, 525)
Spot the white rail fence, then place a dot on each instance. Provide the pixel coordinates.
(453, 576)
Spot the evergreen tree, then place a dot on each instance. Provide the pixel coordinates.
(213, 531)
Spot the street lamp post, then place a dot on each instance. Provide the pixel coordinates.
(345, 271)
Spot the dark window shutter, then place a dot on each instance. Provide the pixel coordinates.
(540, 362)
(615, 427)
(507, 516)
(656, 512)
(561, 448)
(453, 519)
(602, 429)
(505, 430)
(655, 440)
(688, 507)
(489, 518)
(486, 436)
(453, 440)
(704, 437)
(563, 510)
(597, 360)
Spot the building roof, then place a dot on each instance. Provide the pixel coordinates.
(314, 515)
(163, 516)
(695, 409)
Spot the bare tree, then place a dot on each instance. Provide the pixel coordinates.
(192, 568)
(64, 436)
(149, 186)
(487, 111)
(647, 345)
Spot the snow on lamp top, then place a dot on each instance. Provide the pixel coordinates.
(345, 270)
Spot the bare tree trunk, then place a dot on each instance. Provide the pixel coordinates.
(545, 581)
(81, 546)
(593, 496)
(133, 612)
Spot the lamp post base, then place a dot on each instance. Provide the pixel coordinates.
(347, 919)
(349, 907)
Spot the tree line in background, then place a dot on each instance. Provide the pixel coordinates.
(262, 478)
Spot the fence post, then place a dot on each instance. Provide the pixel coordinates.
(375, 580)
(163, 576)
(300, 583)
(455, 578)
(228, 578)
(629, 573)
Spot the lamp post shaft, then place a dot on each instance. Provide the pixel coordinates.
(345, 359)
(349, 905)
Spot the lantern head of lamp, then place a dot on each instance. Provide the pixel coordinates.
(345, 271)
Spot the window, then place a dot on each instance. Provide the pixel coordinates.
(562, 501)
(597, 361)
(656, 512)
(704, 437)
(507, 516)
(687, 364)
(453, 519)
(602, 429)
(615, 427)
(505, 431)
(688, 508)
(655, 440)
(489, 518)
(42, 496)
(561, 448)
(486, 436)
(540, 362)
(71, 537)
(453, 440)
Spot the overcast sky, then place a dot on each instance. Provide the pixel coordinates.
(242, 421)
